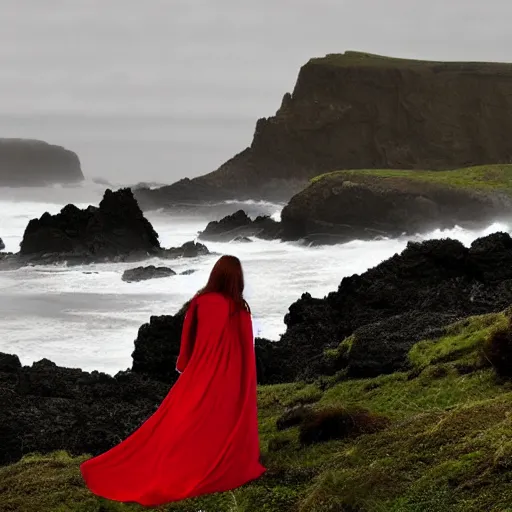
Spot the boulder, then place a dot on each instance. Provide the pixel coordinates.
(187, 250)
(2, 245)
(239, 226)
(144, 273)
(25, 163)
(116, 230)
(361, 111)
(46, 408)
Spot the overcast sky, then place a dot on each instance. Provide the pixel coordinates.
(179, 84)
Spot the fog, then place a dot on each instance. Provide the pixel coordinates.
(162, 89)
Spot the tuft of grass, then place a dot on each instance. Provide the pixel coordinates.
(485, 178)
(463, 342)
(447, 446)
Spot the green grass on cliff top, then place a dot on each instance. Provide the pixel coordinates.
(449, 446)
(353, 58)
(485, 177)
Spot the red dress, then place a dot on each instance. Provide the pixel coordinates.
(204, 436)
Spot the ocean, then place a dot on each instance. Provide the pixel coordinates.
(87, 317)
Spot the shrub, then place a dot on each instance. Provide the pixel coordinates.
(339, 423)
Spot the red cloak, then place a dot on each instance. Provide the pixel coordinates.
(204, 436)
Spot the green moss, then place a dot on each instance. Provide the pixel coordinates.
(463, 341)
(483, 178)
(448, 447)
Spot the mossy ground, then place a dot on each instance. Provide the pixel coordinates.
(486, 178)
(449, 446)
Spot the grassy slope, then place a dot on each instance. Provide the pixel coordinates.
(485, 177)
(449, 446)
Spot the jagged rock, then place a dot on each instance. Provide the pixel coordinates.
(2, 245)
(239, 226)
(25, 163)
(407, 297)
(46, 408)
(187, 250)
(188, 272)
(360, 111)
(157, 347)
(144, 273)
(115, 230)
(242, 240)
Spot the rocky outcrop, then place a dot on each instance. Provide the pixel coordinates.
(2, 245)
(137, 274)
(47, 408)
(115, 230)
(239, 226)
(347, 205)
(25, 163)
(410, 297)
(360, 111)
(187, 250)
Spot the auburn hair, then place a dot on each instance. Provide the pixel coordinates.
(227, 278)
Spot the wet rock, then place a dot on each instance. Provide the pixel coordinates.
(239, 226)
(144, 273)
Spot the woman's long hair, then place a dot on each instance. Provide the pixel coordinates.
(227, 278)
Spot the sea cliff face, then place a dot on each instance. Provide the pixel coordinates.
(360, 111)
(27, 163)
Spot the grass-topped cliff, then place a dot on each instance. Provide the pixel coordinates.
(443, 442)
(362, 111)
(488, 178)
(366, 203)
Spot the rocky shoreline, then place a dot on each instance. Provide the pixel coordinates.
(115, 231)
(364, 329)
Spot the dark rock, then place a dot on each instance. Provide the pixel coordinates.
(242, 239)
(116, 230)
(382, 347)
(187, 250)
(25, 163)
(2, 245)
(293, 417)
(389, 307)
(188, 272)
(46, 408)
(339, 423)
(349, 205)
(145, 273)
(388, 113)
(239, 226)
(9, 363)
(157, 347)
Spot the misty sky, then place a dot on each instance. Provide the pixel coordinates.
(160, 89)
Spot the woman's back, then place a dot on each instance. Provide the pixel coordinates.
(204, 436)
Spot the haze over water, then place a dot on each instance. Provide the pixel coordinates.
(158, 90)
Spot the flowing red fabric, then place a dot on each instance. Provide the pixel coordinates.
(204, 436)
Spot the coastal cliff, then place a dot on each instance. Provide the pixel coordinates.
(27, 163)
(361, 111)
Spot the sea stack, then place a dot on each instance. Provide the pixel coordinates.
(28, 163)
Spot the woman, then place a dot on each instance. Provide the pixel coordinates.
(204, 436)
